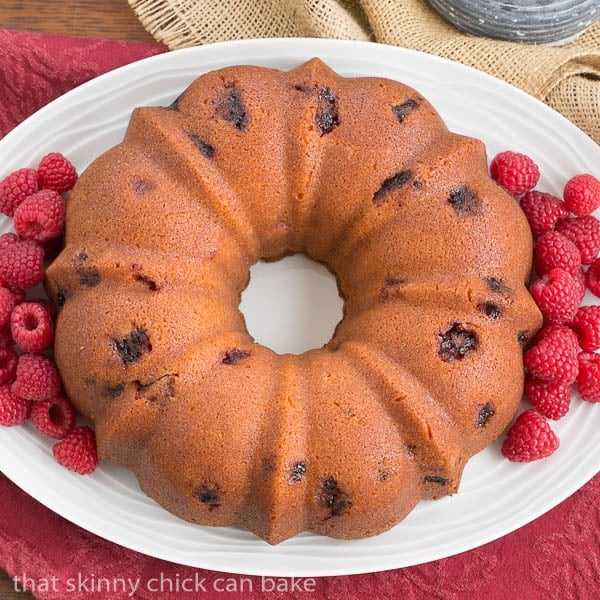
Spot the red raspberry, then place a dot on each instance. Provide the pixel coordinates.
(587, 327)
(551, 399)
(514, 171)
(553, 357)
(13, 410)
(582, 194)
(6, 340)
(554, 250)
(529, 438)
(21, 264)
(31, 327)
(55, 172)
(588, 380)
(37, 378)
(7, 303)
(77, 451)
(557, 296)
(6, 239)
(584, 232)
(592, 278)
(19, 294)
(15, 188)
(40, 217)
(542, 211)
(8, 364)
(55, 417)
(580, 284)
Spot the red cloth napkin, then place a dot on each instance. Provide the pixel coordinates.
(555, 557)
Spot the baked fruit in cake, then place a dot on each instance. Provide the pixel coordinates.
(431, 256)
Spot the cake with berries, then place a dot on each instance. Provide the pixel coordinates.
(431, 256)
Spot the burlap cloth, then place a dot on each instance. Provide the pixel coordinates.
(566, 77)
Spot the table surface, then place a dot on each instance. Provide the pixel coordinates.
(87, 18)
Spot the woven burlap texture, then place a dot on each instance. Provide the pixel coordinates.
(566, 77)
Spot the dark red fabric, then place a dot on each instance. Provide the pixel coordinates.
(555, 557)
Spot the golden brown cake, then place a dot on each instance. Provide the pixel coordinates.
(360, 174)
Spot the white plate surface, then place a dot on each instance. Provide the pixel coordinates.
(496, 496)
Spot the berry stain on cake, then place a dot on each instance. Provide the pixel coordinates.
(456, 342)
(361, 175)
(132, 347)
(390, 184)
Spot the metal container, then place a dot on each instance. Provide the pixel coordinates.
(531, 21)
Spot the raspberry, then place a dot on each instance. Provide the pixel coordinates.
(551, 399)
(15, 188)
(37, 378)
(7, 303)
(554, 250)
(514, 171)
(8, 364)
(13, 410)
(6, 340)
(592, 278)
(6, 239)
(55, 417)
(542, 211)
(587, 327)
(588, 380)
(553, 357)
(557, 295)
(582, 194)
(55, 172)
(31, 327)
(21, 264)
(19, 294)
(580, 284)
(77, 451)
(529, 438)
(584, 232)
(40, 217)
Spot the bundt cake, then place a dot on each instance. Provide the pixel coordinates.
(431, 258)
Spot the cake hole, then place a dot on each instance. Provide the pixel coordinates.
(291, 305)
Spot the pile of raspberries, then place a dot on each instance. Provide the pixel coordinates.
(565, 257)
(30, 386)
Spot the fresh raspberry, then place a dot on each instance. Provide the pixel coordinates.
(592, 278)
(542, 210)
(553, 357)
(582, 194)
(77, 451)
(19, 294)
(551, 399)
(584, 232)
(13, 410)
(587, 327)
(557, 296)
(6, 340)
(31, 327)
(40, 217)
(8, 364)
(529, 438)
(37, 378)
(15, 188)
(55, 172)
(55, 417)
(6, 239)
(588, 380)
(7, 303)
(580, 284)
(21, 264)
(514, 171)
(553, 250)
